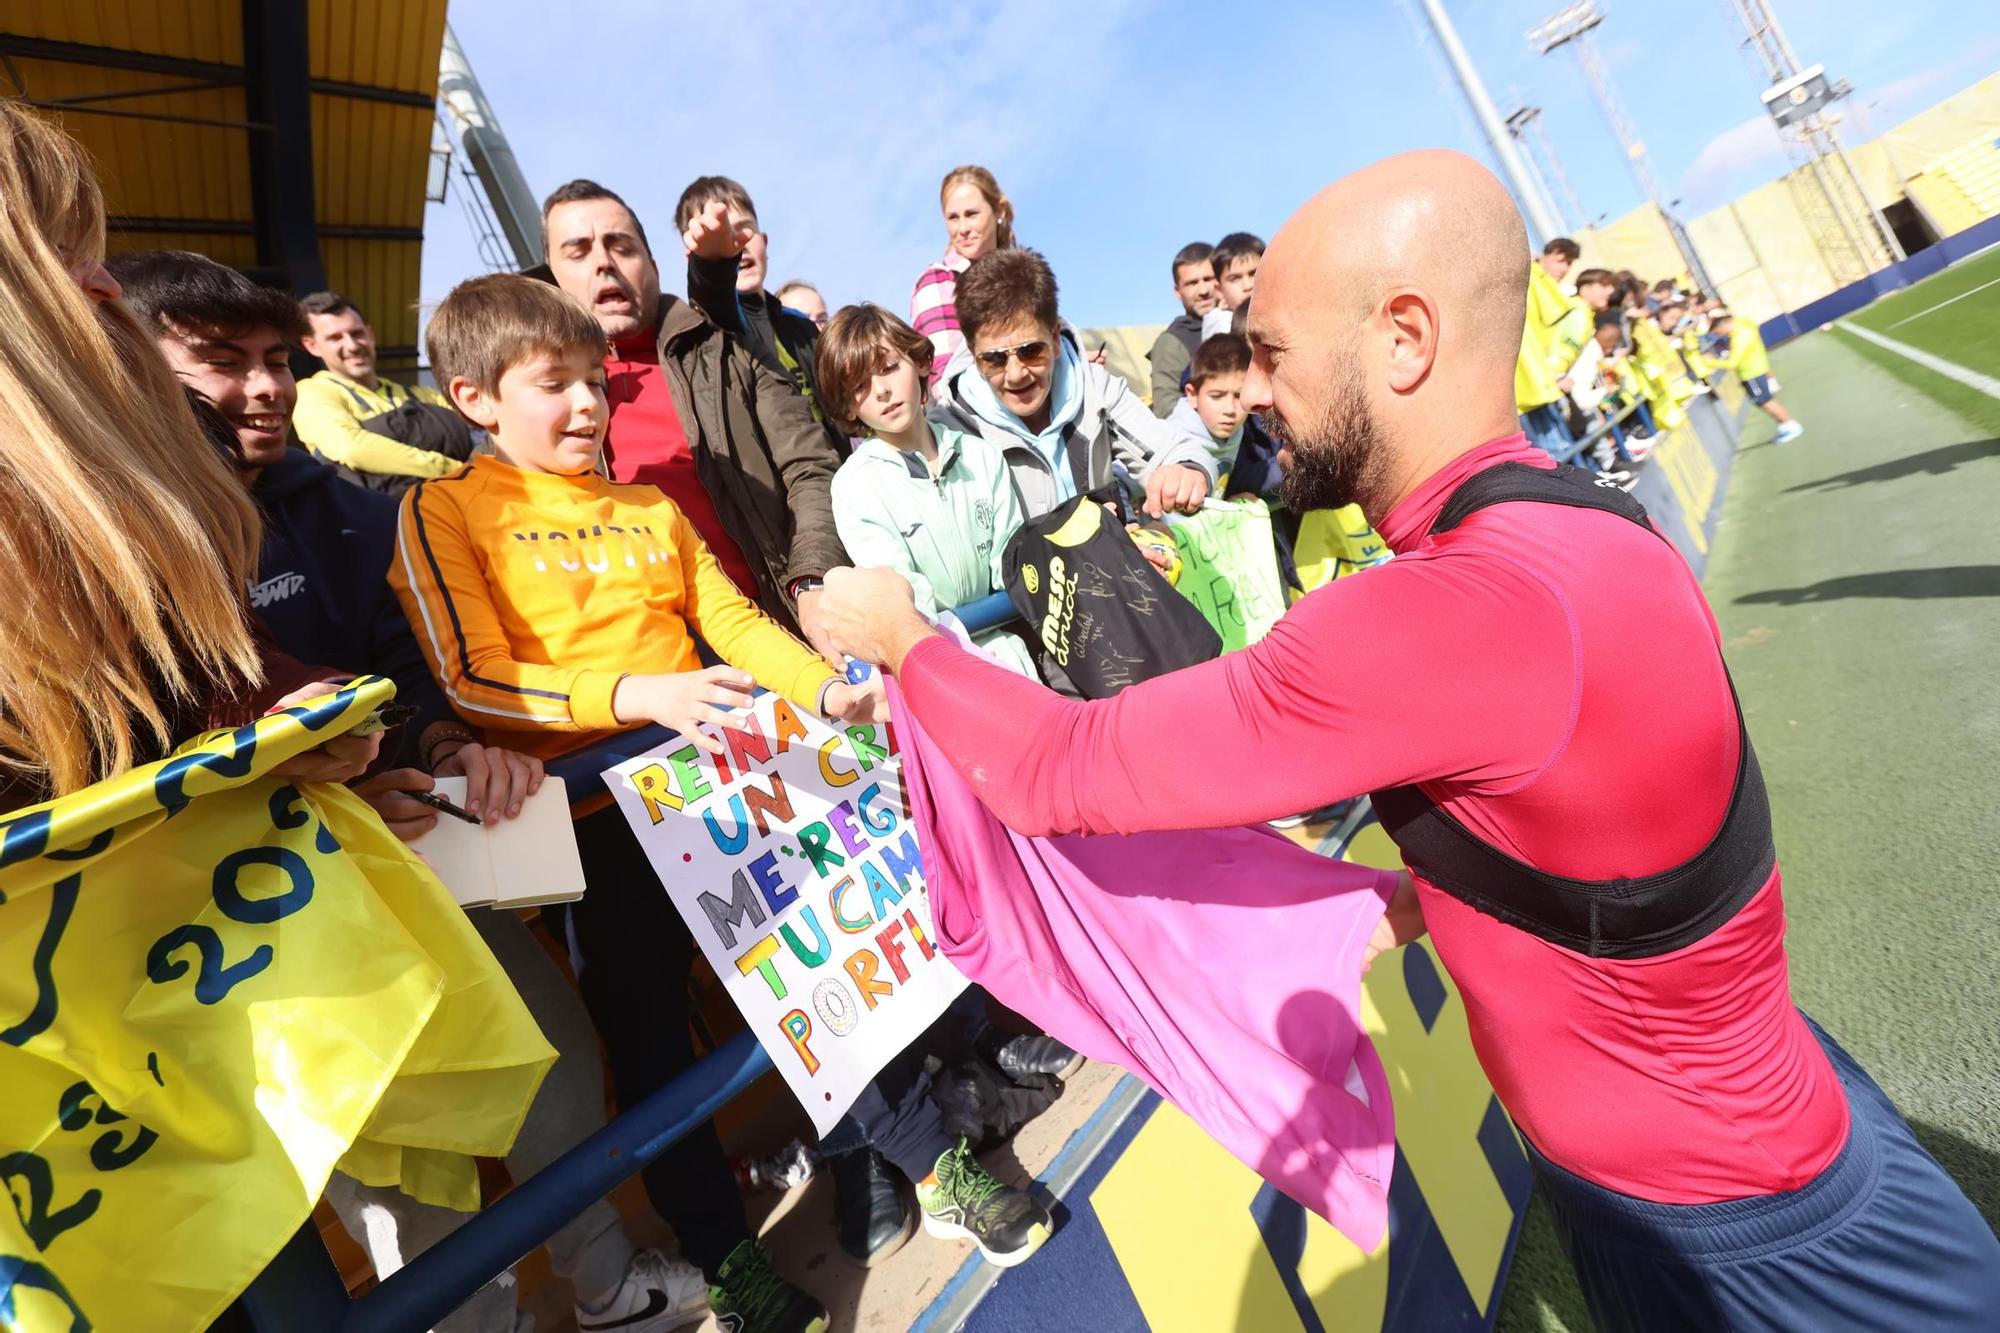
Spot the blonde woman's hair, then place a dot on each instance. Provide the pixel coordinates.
(127, 541)
(982, 180)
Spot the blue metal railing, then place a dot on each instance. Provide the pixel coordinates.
(301, 1292)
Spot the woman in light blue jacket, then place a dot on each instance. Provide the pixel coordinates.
(933, 503)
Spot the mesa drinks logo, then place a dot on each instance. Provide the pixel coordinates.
(794, 862)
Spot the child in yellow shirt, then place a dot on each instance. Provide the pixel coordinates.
(549, 599)
(557, 605)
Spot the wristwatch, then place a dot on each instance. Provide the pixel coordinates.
(806, 584)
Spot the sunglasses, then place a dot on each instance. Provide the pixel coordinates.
(1032, 355)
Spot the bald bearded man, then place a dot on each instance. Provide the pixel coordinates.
(1561, 761)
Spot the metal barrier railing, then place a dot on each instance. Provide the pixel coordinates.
(301, 1291)
(1604, 427)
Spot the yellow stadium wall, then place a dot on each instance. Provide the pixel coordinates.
(1760, 250)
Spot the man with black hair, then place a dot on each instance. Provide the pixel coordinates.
(1559, 256)
(696, 412)
(385, 435)
(1194, 285)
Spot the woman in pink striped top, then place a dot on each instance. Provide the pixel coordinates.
(978, 218)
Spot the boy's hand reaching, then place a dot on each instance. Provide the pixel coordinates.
(709, 235)
(1176, 488)
(866, 702)
(681, 700)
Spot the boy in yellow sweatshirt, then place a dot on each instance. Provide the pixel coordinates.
(557, 605)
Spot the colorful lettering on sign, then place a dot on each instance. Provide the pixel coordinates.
(798, 1029)
(758, 959)
(848, 925)
(656, 789)
(834, 777)
(877, 819)
(861, 966)
(740, 910)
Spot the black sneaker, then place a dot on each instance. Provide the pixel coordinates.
(962, 1201)
(1024, 1056)
(870, 1214)
(750, 1297)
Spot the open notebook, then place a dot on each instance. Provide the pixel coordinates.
(520, 862)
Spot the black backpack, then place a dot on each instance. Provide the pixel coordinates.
(1102, 616)
(420, 425)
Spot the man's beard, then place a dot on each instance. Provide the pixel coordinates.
(1336, 457)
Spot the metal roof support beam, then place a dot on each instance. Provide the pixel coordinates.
(276, 51)
(160, 90)
(145, 62)
(237, 227)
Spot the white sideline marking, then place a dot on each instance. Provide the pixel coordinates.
(1947, 301)
(1971, 379)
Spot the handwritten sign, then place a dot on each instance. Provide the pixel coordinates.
(1229, 570)
(794, 862)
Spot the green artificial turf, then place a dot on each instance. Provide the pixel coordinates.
(1856, 579)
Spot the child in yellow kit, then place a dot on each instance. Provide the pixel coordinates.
(556, 605)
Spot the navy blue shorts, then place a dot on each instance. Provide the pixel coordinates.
(1759, 389)
(1881, 1239)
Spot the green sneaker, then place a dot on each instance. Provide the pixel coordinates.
(750, 1297)
(962, 1201)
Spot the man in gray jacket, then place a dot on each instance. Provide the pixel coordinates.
(1061, 421)
(1173, 350)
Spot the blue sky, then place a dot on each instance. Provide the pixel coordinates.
(1122, 128)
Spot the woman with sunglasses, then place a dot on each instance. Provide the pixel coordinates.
(1061, 419)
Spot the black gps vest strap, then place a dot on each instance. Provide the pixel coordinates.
(1616, 918)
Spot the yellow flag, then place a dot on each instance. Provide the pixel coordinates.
(214, 987)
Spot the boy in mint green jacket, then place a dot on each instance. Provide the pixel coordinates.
(934, 504)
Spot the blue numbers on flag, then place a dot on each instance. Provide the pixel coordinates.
(62, 901)
(110, 1151)
(37, 1219)
(215, 980)
(217, 976)
(18, 1275)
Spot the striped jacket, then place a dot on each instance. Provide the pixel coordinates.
(934, 305)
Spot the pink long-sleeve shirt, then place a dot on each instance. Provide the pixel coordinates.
(1553, 679)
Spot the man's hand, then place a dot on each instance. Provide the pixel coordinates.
(1402, 922)
(872, 614)
(1176, 488)
(496, 781)
(1565, 384)
(680, 700)
(407, 819)
(709, 235)
(812, 624)
(338, 760)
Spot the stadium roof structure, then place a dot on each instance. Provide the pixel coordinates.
(290, 138)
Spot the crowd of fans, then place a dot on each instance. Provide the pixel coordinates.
(158, 458)
(1608, 362)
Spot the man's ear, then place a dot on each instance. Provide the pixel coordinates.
(1411, 319)
(311, 344)
(473, 402)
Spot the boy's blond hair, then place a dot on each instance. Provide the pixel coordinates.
(499, 320)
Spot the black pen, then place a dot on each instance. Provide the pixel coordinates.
(437, 802)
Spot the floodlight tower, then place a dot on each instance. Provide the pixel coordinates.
(1572, 27)
(1541, 219)
(1525, 124)
(1797, 100)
